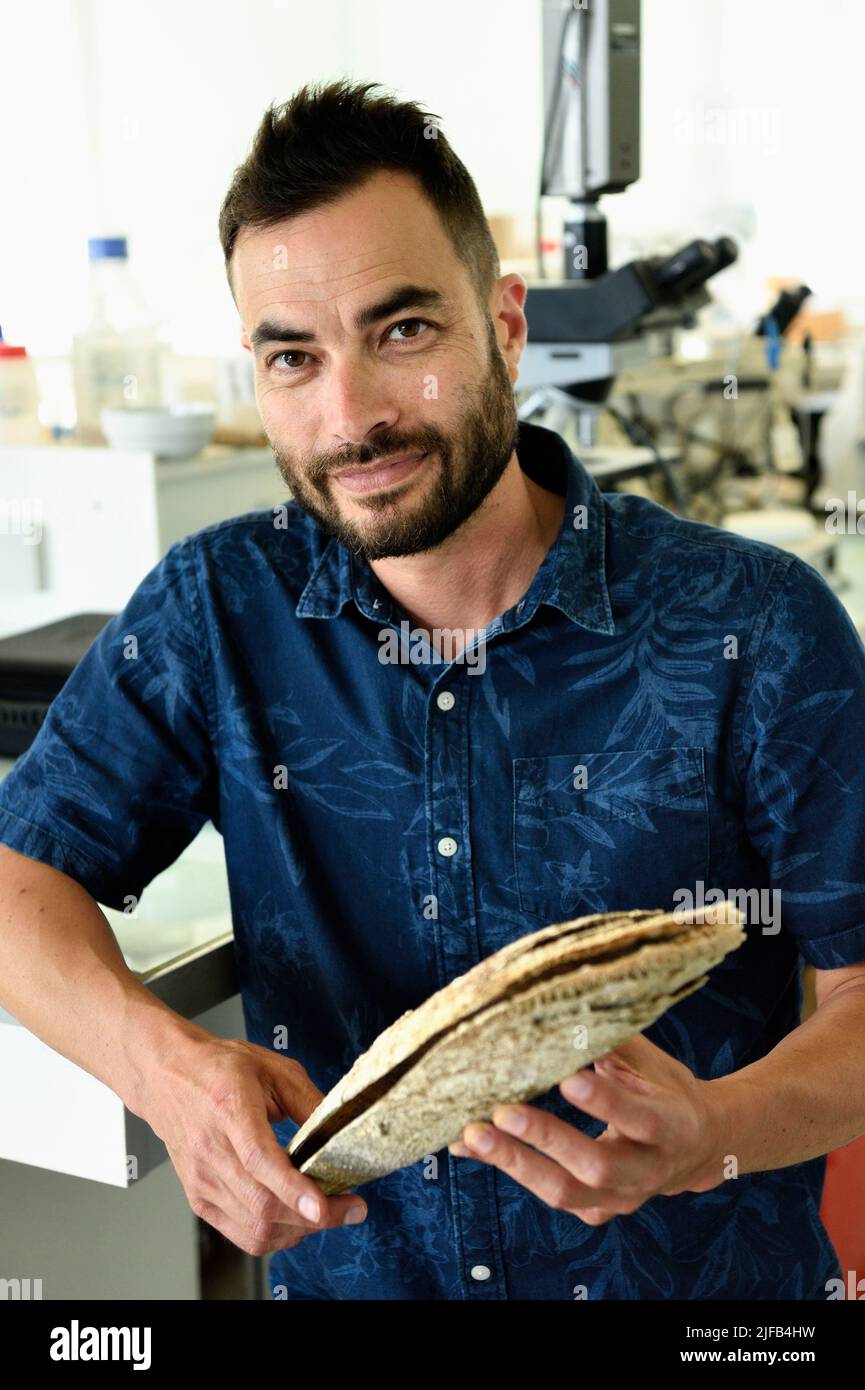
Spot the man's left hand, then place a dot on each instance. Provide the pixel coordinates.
(664, 1135)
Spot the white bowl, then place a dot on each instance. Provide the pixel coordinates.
(169, 431)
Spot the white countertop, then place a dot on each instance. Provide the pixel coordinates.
(182, 908)
(57, 1116)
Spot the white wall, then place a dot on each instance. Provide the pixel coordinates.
(780, 82)
(131, 118)
(45, 163)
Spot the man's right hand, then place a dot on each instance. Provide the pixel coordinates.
(213, 1105)
(212, 1101)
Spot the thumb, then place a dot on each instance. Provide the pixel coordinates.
(292, 1094)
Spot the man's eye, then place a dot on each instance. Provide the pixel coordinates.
(406, 323)
(289, 352)
(292, 367)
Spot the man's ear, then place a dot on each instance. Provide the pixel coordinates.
(244, 341)
(507, 310)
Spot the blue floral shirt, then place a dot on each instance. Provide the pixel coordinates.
(668, 707)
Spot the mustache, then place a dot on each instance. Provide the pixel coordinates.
(341, 461)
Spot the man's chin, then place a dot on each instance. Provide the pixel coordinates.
(389, 525)
(379, 543)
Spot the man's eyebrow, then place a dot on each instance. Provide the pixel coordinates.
(405, 297)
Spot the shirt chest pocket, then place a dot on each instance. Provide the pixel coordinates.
(604, 832)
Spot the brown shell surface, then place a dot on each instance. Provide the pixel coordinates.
(507, 1031)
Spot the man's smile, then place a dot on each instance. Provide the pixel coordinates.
(378, 475)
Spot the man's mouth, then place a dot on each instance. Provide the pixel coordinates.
(381, 474)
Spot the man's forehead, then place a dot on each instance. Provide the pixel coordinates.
(274, 270)
(383, 230)
(294, 294)
(382, 205)
(301, 292)
(405, 298)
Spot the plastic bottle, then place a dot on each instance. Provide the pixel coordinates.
(19, 398)
(117, 360)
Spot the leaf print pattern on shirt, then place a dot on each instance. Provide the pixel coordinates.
(261, 649)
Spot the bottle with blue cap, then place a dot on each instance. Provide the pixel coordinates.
(117, 359)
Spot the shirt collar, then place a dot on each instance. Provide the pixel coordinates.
(572, 576)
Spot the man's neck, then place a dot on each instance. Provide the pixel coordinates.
(486, 566)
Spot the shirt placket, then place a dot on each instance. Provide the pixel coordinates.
(474, 1210)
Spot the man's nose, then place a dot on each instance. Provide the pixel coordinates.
(357, 404)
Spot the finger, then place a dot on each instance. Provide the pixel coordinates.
(254, 1243)
(625, 1075)
(638, 1116)
(216, 1169)
(641, 1057)
(246, 1201)
(542, 1176)
(616, 1167)
(295, 1095)
(264, 1160)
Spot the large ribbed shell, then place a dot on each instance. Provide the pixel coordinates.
(507, 1030)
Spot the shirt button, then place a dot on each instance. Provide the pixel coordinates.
(481, 1271)
(445, 700)
(447, 846)
(521, 605)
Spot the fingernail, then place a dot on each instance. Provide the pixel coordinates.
(482, 1140)
(309, 1207)
(511, 1121)
(354, 1216)
(577, 1087)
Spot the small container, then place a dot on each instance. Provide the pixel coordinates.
(117, 360)
(169, 431)
(19, 398)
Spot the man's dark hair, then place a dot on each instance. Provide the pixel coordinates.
(326, 140)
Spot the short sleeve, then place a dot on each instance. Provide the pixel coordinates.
(801, 739)
(120, 776)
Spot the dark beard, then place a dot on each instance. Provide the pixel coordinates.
(469, 467)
